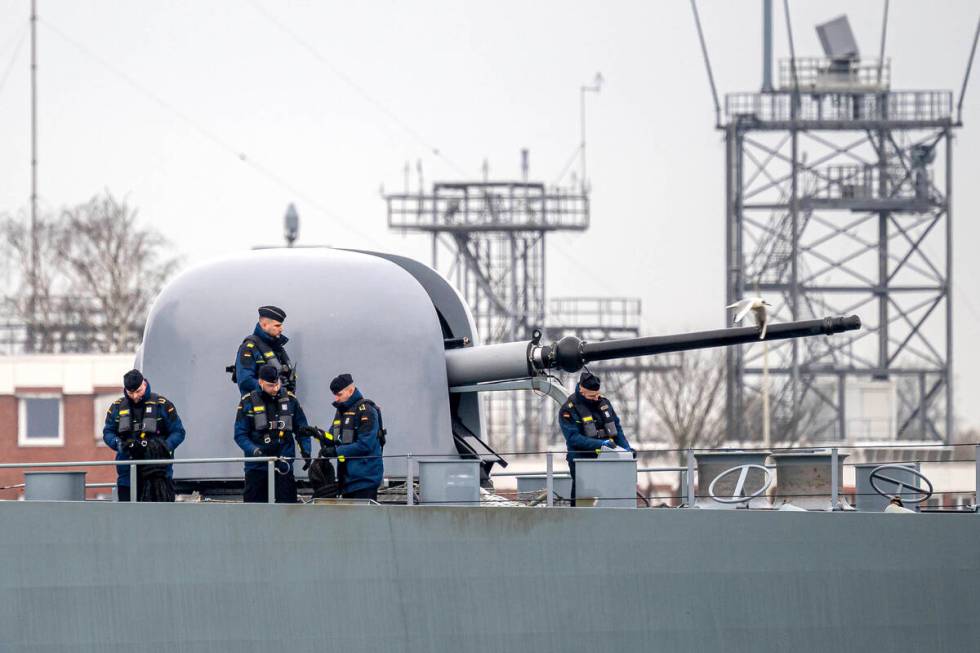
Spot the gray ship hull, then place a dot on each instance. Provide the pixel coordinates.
(197, 577)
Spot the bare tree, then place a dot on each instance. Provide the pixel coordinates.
(687, 399)
(98, 272)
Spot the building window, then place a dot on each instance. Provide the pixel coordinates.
(102, 403)
(40, 421)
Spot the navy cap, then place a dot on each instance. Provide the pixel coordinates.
(269, 373)
(340, 382)
(132, 380)
(589, 381)
(273, 313)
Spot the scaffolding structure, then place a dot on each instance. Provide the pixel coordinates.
(488, 240)
(837, 202)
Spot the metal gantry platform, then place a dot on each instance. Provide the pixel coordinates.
(838, 201)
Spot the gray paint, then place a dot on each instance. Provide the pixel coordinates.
(244, 578)
(54, 486)
(346, 312)
(450, 305)
(449, 482)
(498, 362)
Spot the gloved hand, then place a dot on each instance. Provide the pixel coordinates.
(608, 444)
(307, 431)
(328, 451)
(307, 460)
(256, 452)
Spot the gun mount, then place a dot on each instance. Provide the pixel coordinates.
(409, 340)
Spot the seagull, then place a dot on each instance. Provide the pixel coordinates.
(758, 307)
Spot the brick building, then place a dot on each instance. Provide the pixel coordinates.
(52, 408)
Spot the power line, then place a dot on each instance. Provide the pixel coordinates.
(408, 129)
(209, 135)
(13, 58)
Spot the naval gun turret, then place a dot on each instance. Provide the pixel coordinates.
(396, 325)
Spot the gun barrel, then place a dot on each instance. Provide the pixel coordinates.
(514, 360)
(647, 346)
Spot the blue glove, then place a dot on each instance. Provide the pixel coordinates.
(608, 444)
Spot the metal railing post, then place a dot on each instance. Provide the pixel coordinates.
(550, 478)
(133, 488)
(409, 482)
(271, 481)
(834, 480)
(690, 478)
(976, 487)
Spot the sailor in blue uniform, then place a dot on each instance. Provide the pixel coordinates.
(264, 426)
(589, 423)
(143, 425)
(355, 439)
(266, 346)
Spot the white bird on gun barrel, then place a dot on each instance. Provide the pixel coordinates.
(758, 306)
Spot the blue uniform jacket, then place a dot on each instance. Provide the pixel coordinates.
(250, 440)
(245, 367)
(360, 464)
(577, 443)
(170, 427)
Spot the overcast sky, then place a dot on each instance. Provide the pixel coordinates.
(212, 116)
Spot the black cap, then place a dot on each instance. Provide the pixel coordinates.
(273, 313)
(589, 381)
(340, 382)
(132, 380)
(269, 373)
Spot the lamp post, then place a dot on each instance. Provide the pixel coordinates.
(594, 87)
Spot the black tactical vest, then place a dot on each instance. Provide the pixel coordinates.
(344, 428)
(603, 426)
(269, 356)
(145, 421)
(278, 425)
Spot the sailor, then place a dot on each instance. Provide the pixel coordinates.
(143, 425)
(265, 425)
(266, 346)
(355, 439)
(589, 424)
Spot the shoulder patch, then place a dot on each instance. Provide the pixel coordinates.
(245, 396)
(290, 394)
(250, 345)
(570, 404)
(161, 399)
(117, 401)
(362, 407)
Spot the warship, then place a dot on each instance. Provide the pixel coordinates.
(220, 575)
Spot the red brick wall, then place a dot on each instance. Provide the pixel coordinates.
(80, 443)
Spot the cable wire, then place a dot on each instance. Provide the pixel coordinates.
(357, 88)
(207, 134)
(13, 58)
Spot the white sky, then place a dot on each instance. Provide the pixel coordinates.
(158, 102)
